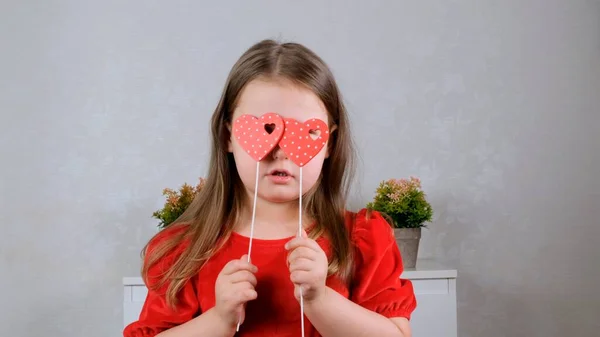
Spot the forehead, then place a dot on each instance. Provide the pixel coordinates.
(283, 97)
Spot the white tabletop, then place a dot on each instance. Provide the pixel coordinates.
(428, 269)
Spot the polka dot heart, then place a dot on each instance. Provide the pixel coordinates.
(258, 136)
(302, 141)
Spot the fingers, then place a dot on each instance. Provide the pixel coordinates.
(247, 294)
(237, 265)
(243, 296)
(302, 242)
(302, 277)
(243, 276)
(302, 252)
(301, 263)
(240, 294)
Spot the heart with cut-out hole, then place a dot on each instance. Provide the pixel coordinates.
(258, 136)
(301, 142)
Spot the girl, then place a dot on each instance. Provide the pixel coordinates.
(346, 265)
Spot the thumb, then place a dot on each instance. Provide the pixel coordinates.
(245, 257)
(304, 234)
(299, 291)
(241, 314)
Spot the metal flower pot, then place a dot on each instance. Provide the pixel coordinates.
(408, 240)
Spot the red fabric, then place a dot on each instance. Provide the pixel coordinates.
(376, 284)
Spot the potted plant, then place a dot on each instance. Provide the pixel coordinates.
(176, 203)
(403, 202)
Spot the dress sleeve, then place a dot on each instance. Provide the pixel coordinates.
(377, 285)
(156, 315)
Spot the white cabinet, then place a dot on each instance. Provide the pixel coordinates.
(434, 285)
(435, 288)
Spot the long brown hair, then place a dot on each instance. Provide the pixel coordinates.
(216, 208)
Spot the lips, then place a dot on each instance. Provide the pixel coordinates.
(280, 173)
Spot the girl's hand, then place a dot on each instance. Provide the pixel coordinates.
(233, 288)
(308, 267)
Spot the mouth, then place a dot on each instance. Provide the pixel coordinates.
(280, 173)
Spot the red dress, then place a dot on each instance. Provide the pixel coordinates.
(376, 284)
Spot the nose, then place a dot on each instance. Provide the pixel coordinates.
(278, 153)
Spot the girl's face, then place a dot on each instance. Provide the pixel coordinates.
(289, 100)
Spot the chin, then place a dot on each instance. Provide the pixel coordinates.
(280, 198)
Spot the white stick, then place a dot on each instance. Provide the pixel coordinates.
(253, 211)
(300, 210)
(300, 234)
(252, 223)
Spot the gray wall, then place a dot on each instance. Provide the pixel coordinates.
(495, 105)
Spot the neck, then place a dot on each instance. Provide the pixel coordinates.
(272, 220)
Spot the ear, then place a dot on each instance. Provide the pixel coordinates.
(331, 131)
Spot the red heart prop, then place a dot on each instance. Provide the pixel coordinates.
(299, 143)
(258, 136)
